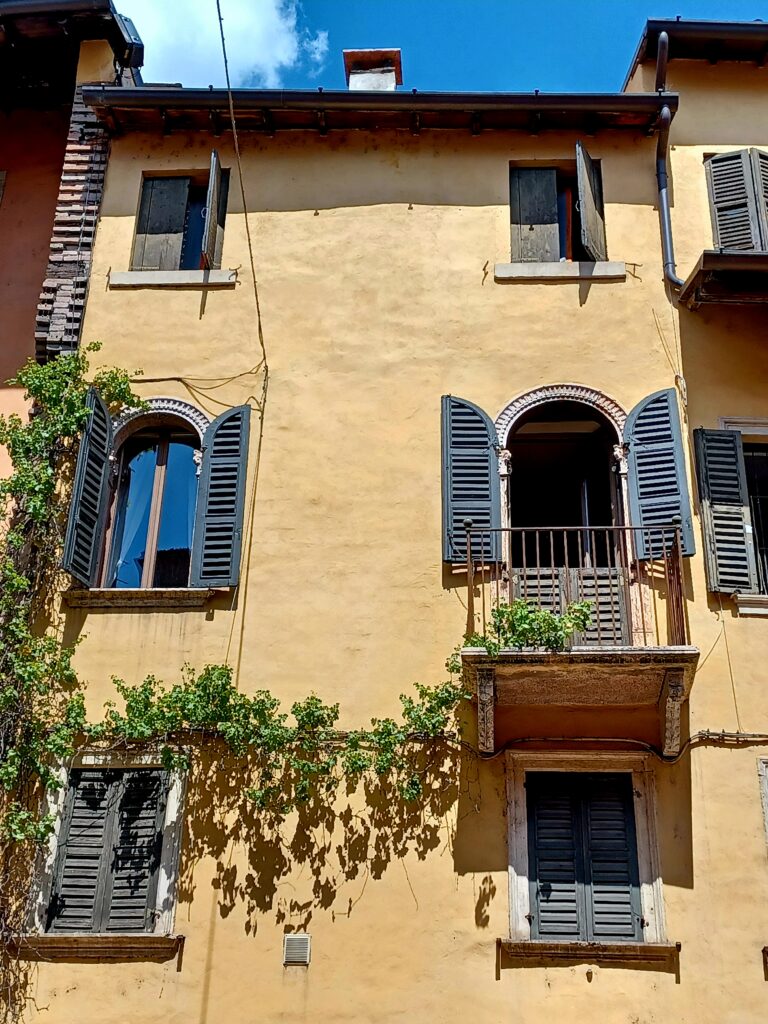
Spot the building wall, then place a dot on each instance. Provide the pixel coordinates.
(374, 259)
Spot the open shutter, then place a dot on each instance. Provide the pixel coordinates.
(759, 161)
(591, 210)
(533, 214)
(610, 844)
(136, 850)
(210, 231)
(554, 856)
(658, 487)
(88, 509)
(78, 888)
(725, 514)
(470, 481)
(732, 200)
(221, 498)
(160, 227)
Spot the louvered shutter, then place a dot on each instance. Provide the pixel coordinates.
(591, 211)
(160, 225)
(733, 205)
(533, 215)
(606, 591)
(217, 540)
(612, 885)
(90, 490)
(470, 481)
(759, 161)
(554, 857)
(137, 845)
(210, 231)
(725, 514)
(78, 890)
(658, 487)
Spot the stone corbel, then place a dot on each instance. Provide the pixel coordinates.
(486, 708)
(672, 697)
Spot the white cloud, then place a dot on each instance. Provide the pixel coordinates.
(181, 41)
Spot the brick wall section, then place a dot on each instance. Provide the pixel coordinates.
(62, 300)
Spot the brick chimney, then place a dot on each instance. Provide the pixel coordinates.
(373, 70)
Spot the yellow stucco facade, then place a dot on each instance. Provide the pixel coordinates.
(375, 256)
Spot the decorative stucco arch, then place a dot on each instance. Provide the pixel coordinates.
(511, 412)
(127, 422)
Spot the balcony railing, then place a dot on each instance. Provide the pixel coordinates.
(634, 603)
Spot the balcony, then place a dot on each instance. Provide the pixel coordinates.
(626, 676)
(727, 276)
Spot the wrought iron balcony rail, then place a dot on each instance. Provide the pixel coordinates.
(634, 603)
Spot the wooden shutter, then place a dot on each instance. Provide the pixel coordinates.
(210, 231)
(220, 502)
(160, 227)
(725, 514)
(591, 211)
(470, 480)
(109, 851)
(554, 858)
(90, 491)
(658, 486)
(533, 213)
(221, 217)
(732, 200)
(759, 161)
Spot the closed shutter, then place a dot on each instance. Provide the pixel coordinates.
(591, 210)
(605, 589)
(533, 214)
(217, 540)
(470, 481)
(759, 161)
(725, 513)
(160, 226)
(732, 199)
(554, 855)
(109, 852)
(90, 489)
(210, 231)
(658, 487)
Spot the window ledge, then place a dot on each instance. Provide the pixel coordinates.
(172, 279)
(567, 270)
(663, 954)
(90, 948)
(751, 604)
(179, 597)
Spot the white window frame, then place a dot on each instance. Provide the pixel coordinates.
(644, 796)
(168, 874)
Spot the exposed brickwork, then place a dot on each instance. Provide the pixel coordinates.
(62, 300)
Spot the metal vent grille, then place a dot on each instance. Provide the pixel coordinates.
(296, 949)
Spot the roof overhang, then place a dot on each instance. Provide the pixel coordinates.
(30, 22)
(150, 108)
(727, 277)
(711, 41)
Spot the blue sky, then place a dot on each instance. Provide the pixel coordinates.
(515, 45)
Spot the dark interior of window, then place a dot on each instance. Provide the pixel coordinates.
(153, 512)
(569, 217)
(756, 464)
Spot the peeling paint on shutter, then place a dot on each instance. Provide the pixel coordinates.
(725, 514)
(735, 220)
(533, 215)
(221, 498)
(658, 486)
(160, 225)
(88, 508)
(470, 480)
(591, 211)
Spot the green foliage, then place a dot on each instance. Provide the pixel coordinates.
(520, 624)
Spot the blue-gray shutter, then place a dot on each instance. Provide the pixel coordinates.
(726, 520)
(591, 212)
(555, 858)
(470, 481)
(217, 539)
(90, 493)
(658, 486)
(733, 201)
(210, 231)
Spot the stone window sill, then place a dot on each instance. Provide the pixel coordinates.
(567, 270)
(665, 955)
(96, 948)
(181, 597)
(751, 604)
(195, 279)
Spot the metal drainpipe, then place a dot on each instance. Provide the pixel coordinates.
(662, 177)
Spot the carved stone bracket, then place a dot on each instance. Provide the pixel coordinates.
(672, 696)
(486, 706)
(560, 393)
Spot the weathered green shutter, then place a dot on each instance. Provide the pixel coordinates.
(733, 203)
(591, 210)
(210, 231)
(160, 227)
(658, 486)
(725, 514)
(217, 537)
(533, 214)
(554, 857)
(470, 481)
(759, 161)
(90, 490)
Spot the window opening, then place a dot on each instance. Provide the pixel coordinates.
(756, 465)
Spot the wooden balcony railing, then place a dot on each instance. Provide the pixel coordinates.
(634, 603)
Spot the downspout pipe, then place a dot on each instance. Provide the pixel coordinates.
(662, 175)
